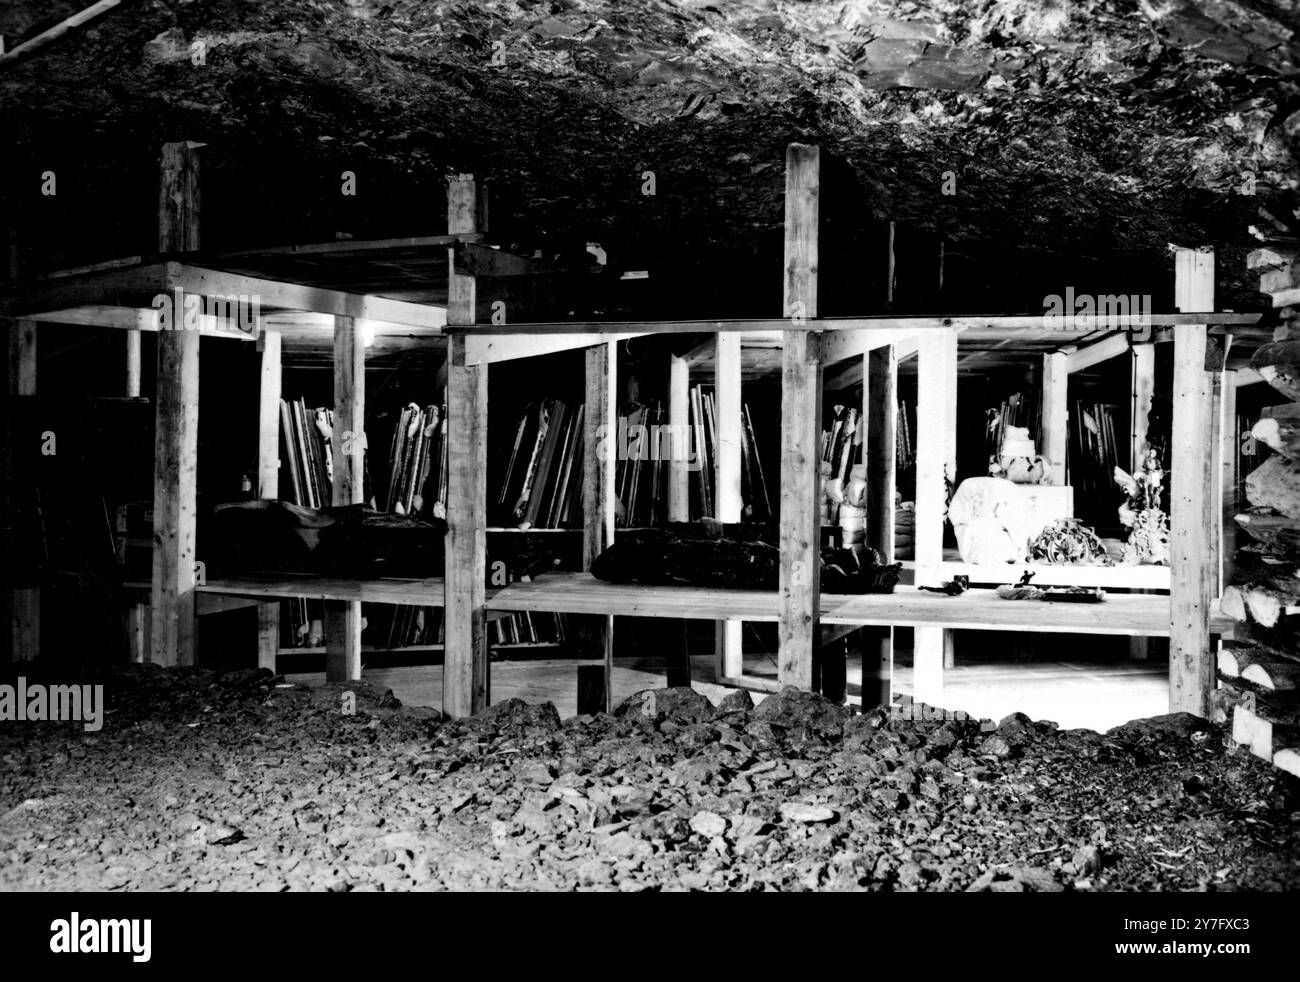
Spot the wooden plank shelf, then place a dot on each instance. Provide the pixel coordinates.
(420, 593)
(1136, 615)
(1144, 615)
(1106, 577)
(582, 593)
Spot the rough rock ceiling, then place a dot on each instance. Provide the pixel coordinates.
(1095, 128)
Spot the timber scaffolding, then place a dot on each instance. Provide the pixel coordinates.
(348, 294)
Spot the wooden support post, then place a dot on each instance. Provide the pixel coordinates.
(465, 675)
(133, 363)
(932, 650)
(1192, 576)
(138, 627)
(1227, 458)
(268, 480)
(1144, 383)
(268, 634)
(801, 403)
(176, 429)
(679, 401)
(24, 601)
(800, 532)
(343, 617)
(268, 419)
(1054, 437)
(880, 413)
(598, 492)
(729, 658)
(936, 428)
(880, 410)
(465, 679)
(935, 436)
(1142, 390)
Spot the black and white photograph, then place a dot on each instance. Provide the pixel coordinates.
(650, 447)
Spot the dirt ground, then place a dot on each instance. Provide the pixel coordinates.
(200, 781)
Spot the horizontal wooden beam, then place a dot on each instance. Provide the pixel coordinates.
(472, 259)
(295, 296)
(111, 286)
(347, 246)
(838, 345)
(1110, 346)
(1029, 323)
(486, 349)
(99, 288)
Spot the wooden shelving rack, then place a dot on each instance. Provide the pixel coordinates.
(308, 305)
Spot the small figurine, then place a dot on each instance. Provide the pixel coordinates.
(1148, 540)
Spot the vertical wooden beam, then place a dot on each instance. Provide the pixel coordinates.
(138, 627)
(268, 634)
(679, 400)
(268, 480)
(600, 419)
(881, 414)
(343, 617)
(801, 398)
(1192, 576)
(1142, 390)
(133, 363)
(22, 358)
(268, 418)
(800, 532)
(1227, 458)
(728, 654)
(931, 652)
(936, 426)
(465, 673)
(176, 428)
(598, 490)
(24, 601)
(1054, 438)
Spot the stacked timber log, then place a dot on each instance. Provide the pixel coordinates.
(1259, 672)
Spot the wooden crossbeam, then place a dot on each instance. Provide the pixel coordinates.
(349, 246)
(1028, 323)
(295, 296)
(110, 287)
(1085, 356)
(837, 345)
(487, 349)
(135, 319)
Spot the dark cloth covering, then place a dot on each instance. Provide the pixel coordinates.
(349, 541)
(734, 556)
